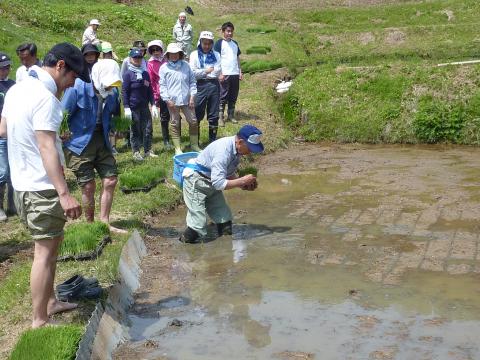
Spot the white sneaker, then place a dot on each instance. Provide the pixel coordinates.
(137, 156)
(150, 154)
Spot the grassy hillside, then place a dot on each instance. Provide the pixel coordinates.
(406, 103)
(396, 94)
(49, 22)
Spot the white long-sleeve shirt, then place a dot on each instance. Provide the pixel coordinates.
(177, 83)
(222, 158)
(90, 36)
(200, 72)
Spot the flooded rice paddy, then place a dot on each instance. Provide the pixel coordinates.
(343, 252)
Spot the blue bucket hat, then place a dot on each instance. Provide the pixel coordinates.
(252, 137)
(136, 53)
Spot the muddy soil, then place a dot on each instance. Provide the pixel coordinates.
(351, 252)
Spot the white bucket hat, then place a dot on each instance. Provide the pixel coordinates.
(158, 43)
(206, 35)
(94, 22)
(182, 14)
(174, 48)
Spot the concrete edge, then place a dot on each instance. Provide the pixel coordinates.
(105, 329)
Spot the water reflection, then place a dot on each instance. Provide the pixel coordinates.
(283, 323)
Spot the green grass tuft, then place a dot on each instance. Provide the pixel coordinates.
(141, 176)
(83, 237)
(14, 287)
(48, 343)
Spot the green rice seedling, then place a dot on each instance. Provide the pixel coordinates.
(121, 124)
(261, 30)
(252, 66)
(247, 170)
(141, 176)
(83, 237)
(268, 48)
(49, 342)
(259, 50)
(64, 129)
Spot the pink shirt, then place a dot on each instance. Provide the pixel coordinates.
(153, 68)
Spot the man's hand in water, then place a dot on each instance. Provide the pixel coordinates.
(250, 187)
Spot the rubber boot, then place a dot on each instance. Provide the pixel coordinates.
(221, 115)
(212, 134)
(194, 138)
(3, 216)
(165, 135)
(225, 228)
(11, 209)
(190, 236)
(176, 140)
(231, 113)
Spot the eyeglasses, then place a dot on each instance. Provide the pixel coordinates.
(154, 49)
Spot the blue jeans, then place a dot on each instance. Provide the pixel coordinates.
(4, 169)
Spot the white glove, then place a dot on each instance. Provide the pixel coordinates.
(155, 114)
(128, 113)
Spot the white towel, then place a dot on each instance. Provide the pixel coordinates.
(106, 73)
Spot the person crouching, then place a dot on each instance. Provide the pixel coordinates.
(215, 171)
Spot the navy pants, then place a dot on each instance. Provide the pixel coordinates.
(141, 130)
(229, 89)
(208, 99)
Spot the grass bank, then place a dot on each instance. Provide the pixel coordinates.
(400, 103)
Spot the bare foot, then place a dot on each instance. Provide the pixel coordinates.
(60, 306)
(42, 323)
(117, 230)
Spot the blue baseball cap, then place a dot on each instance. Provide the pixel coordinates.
(5, 60)
(135, 53)
(252, 137)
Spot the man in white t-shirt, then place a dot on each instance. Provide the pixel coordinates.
(27, 53)
(31, 119)
(231, 73)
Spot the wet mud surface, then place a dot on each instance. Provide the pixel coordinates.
(343, 252)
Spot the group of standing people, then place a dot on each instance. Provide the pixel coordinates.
(177, 79)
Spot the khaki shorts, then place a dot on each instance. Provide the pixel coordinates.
(41, 212)
(96, 156)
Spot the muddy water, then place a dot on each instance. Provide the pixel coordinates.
(344, 252)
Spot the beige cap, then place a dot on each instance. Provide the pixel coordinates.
(173, 48)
